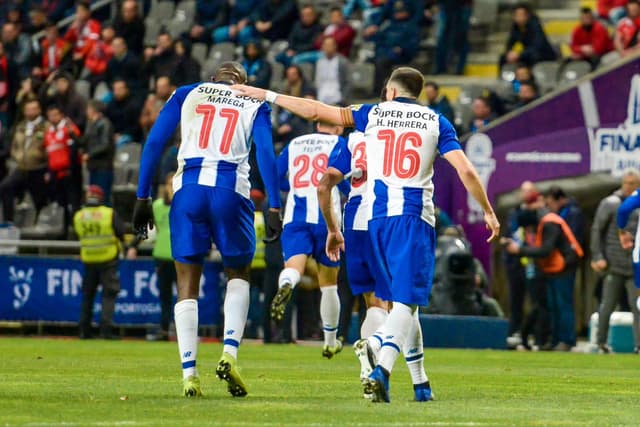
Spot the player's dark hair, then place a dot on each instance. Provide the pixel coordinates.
(232, 72)
(524, 6)
(409, 79)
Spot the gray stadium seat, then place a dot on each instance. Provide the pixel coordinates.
(367, 51)
(128, 154)
(545, 74)
(573, 71)
(178, 26)
(83, 88)
(485, 13)
(49, 225)
(308, 71)
(102, 89)
(209, 68)
(25, 213)
(126, 166)
(277, 76)
(223, 52)
(162, 10)
(186, 9)
(275, 48)
(152, 29)
(463, 116)
(361, 78)
(199, 52)
(469, 93)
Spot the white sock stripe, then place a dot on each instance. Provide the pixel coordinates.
(289, 275)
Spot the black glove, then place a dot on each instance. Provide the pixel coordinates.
(142, 218)
(274, 226)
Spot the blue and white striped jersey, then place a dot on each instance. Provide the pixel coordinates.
(350, 157)
(403, 138)
(305, 160)
(217, 127)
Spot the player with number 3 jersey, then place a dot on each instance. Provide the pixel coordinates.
(301, 165)
(402, 141)
(211, 204)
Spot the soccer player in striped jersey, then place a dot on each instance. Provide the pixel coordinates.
(402, 140)
(630, 204)
(211, 204)
(300, 167)
(349, 159)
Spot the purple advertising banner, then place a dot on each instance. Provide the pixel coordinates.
(592, 127)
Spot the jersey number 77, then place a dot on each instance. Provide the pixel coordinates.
(209, 111)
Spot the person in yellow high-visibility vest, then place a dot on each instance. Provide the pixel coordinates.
(100, 232)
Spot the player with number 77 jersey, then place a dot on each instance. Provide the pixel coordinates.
(211, 204)
(402, 141)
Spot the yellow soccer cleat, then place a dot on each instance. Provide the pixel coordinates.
(191, 387)
(329, 352)
(280, 301)
(228, 370)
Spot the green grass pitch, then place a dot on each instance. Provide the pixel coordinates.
(68, 382)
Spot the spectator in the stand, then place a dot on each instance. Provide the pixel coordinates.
(130, 26)
(210, 15)
(9, 81)
(609, 258)
(59, 141)
(437, 102)
(453, 29)
(27, 92)
(18, 47)
(523, 74)
(122, 111)
(155, 102)
(332, 74)
(625, 38)
(527, 41)
(238, 27)
(301, 39)
(371, 10)
(123, 65)
(396, 43)
(258, 69)
(590, 39)
(273, 19)
(527, 94)
(482, 114)
(30, 157)
(339, 30)
(99, 148)
(611, 10)
(415, 9)
(187, 68)
(559, 202)
(37, 21)
(54, 52)
(99, 229)
(289, 126)
(59, 89)
(557, 253)
(56, 9)
(97, 60)
(161, 61)
(82, 34)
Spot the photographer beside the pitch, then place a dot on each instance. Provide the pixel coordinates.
(557, 252)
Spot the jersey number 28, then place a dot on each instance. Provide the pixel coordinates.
(318, 165)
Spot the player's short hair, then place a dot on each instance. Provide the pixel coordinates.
(432, 84)
(231, 71)
(409, 79)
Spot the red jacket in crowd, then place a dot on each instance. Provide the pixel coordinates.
(52, 54)
(343, 35)
(98, 57)
(604, 6)
(57, 141)
(83, 38)
(627, 31)
(597, 37)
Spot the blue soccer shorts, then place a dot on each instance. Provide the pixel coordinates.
(403, 250)
(636, 274)
(301, 238)
(358, 257)
(200, 215)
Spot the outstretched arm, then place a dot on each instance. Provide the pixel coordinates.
(308, 109)
(263, 139)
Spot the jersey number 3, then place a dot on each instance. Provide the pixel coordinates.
(209, 112)
(404, 162)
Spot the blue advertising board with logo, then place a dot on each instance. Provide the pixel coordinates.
(50, 289)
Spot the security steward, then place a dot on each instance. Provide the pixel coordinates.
(100, 232)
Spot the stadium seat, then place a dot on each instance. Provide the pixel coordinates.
(49, 225)
(485, 13)
(361, 77)
(177, 26)
(25, 213)
(545, 74)
(223, 52)
(308, 71)
(277, 76)
(128, 154)
(469, 93)
(508, 72)
(162, 10)
(152, 29)
(209, 68)
(83, 88)
(125, 177)
(366, 52)
(199, 52)
(463, 116)
(275, 48)
(102, 89)
(186, 10)
(574, 70)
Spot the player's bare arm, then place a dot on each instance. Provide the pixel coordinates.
(335, 240)
(308, 109)
(472, 183)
